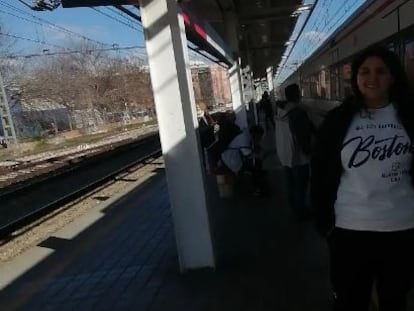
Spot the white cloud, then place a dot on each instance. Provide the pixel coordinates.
(314, 36)
(59, 36)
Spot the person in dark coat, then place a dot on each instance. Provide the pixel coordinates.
(266, 106)
(362, 185)
(293, 144)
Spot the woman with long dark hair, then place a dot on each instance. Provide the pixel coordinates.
(362, 185)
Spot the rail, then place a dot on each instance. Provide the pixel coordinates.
(8, 229)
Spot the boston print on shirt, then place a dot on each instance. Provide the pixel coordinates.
(375, 186)
(366, 148)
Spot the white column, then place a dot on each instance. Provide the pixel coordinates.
(177, 119)
(231, 24)
(269, 72)
(237, 95)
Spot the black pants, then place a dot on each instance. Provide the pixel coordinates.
(259, 180)
(269, 121)
(297, 180)
(360, 257)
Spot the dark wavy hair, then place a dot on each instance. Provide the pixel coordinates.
(400, 89)
(292, 93)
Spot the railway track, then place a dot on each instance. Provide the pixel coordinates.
(26, 205)
(21, 171)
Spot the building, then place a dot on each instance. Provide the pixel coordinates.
(38, 116)
(211, 85)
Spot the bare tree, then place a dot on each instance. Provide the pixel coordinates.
(7, 66)
(91, 81)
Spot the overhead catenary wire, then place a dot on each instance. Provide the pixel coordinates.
(129, 13)
(318, 40)
(116, 19)
(300, 31)
(129, 20)
(31, 40)
(44, 22)
(323, 7)
(320, 35)
(138, 19)
(25, 4)
(73, 52)
(123, 15)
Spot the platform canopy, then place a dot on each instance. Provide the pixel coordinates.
(263, 27)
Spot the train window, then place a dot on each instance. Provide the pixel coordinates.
(323, 84)
(314, 86)
(319, 84)
(305, 87)
(334, 72)
(328, 84)
(409, 59)
(391, 47)
(346, 74)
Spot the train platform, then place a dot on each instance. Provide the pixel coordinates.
(123, 257)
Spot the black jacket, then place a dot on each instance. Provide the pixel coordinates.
(326, 165)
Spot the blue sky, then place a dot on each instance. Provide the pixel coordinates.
(84, 21)
(327, 16)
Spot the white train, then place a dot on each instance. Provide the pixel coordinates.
(324, 78)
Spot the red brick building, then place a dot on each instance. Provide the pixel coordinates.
(211, 85)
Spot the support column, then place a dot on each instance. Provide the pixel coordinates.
(252, 86)
(269, 72)
(6, 119)
(237, 95)
(272, 95)
(177, 120)
(239, 106)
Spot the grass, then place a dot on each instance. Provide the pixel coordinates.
(40, 145)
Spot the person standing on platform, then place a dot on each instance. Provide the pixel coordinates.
(266, 106)
(293, 143)
(206, 125)
(362, 185)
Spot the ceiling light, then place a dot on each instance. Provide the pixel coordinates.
(301, 9)
(305, 7)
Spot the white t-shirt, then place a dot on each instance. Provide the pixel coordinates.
(234, 154)
(375, 192)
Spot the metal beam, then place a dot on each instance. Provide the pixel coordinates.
(226, 5)
(267, 14)
(278, 46)
(203, 35)
(128, 12)
(263, 18)
(279, 10)
(198, 31)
